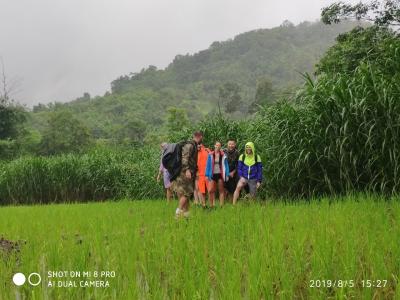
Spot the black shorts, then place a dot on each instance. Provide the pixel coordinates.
(231, 184)
(216, 177)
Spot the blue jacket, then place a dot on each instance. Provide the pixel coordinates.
(250, 172)
(210, 166)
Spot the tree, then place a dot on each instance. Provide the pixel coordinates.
(229, 95)
(11, 115)
(264, 94)
(11, 120)
(382, 13)
(132, 132)
(65, 134)
(177, 121)
(357, 46)
(287, 24)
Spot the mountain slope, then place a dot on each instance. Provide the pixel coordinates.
(193, 81)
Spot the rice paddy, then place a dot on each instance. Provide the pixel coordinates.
(322, 249)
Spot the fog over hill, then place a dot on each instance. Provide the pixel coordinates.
(57, 50)
(193, 82)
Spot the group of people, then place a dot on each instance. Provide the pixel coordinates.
(205, 171)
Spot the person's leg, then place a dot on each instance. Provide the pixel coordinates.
(184, 188)
(211, 192)
(230, 187)
(226, 189)
(169, 194)
(252, 188)
(202, 199)
(186, 205)
(202, 188)
(181, 204)
(196, 192)
(195, 197)
(221, 192)
(240, 185)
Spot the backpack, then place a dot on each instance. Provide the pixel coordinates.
(172, 158)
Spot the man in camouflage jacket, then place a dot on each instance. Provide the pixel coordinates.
(183, 185)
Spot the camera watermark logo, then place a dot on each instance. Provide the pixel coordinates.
(34, 279)
(19, 279)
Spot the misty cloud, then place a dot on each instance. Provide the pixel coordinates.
(61, 49)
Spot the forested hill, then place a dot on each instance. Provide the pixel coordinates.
(227, 71)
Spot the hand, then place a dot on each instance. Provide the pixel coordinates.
(158, 178)
(231, 174)
(258, 184)
(188, 174)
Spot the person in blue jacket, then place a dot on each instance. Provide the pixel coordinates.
(217, 172)
(249, 171)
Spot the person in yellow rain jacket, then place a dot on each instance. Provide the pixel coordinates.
(249, 171)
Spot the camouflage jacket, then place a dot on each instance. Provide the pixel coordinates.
(189, 157)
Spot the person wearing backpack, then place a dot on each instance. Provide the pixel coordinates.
(162, 171)
(249, 170)
(217, 172)
(185, 172)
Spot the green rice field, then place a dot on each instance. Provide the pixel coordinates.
(347, 248)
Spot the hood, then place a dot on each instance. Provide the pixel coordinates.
(250, 159)
(251, 145)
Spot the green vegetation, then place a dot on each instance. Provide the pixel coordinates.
(337, 133)
(12, 117)
(341, 132)
(382, 13)
(64, 134)
(194, 82)
(249, 251)
(94, 176)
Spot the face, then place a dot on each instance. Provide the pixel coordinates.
(217, 146)
(248, 150)
(198, 139)
(231, 145)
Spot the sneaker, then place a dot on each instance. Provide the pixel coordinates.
(178, 213)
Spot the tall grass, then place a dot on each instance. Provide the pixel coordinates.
(97, 175)
(341, 135)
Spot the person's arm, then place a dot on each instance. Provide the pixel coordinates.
(233, 172)
(227, 174)
(186, 150)
(209, 167)
(239, 168)
(160, 171)
(259, 171)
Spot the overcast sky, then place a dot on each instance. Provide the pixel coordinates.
(59, 49)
